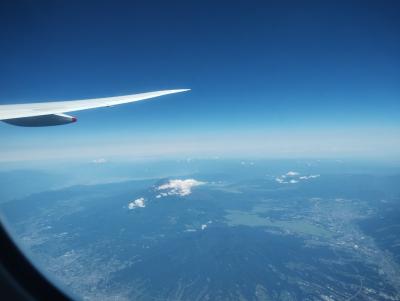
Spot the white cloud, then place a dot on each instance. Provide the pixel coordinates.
(190, 230)
(280, 180)
(308, 177)
(246, 163)
(203, 226)
(99, 161)
(138, 203)
(294, 177)
(178, 187)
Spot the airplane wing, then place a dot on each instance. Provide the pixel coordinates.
(52, 113)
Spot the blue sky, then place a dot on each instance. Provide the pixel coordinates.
(268, 78)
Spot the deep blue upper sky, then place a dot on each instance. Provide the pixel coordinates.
(301, 75)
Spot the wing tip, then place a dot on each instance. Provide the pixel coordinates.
(179, 90)
(172, 91)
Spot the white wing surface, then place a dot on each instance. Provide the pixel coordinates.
(51, 113)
